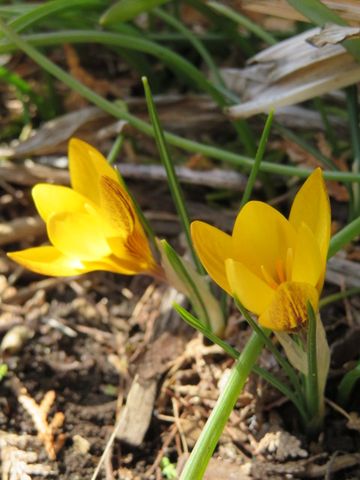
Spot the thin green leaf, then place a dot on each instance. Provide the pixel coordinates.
(195, 42)
(125, 10)
(173, 181)
(311, 379)
(317, 12)
(335, 297)
(323, 363)
(347, 384)
(116, 148)
(264, 334)
(190, 285)
(233, 353)
(344, 236)
(258, 158)
(8, 11)
(353, 112)
(242, 21)
(205, 330)
(39, 12)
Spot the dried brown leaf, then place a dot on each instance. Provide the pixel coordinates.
(47, 432)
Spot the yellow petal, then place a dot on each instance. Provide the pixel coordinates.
(127, 238)
(288, 310)
(213, 247)
(311, 206)
(125, 266)
(86, 166)
(307, 264)
(78, 235)
(261, 238)
(48, 261)
(117, 208)
(50, 199)
(251, 290)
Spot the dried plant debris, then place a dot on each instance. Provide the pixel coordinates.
(349, 10)
(15, 339)
(280, 446)
(19, 460)
(290, 72)
(333, 34)
(48, 432)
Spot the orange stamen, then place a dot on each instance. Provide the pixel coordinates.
(268, 278)
(279, 266)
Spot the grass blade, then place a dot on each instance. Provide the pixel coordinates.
(243, 21)
(258, 158)
(347, 384)
(174, 184)
(311, 379)
(125, 10)
(344, 236)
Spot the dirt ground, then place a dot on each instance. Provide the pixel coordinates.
(87, 351)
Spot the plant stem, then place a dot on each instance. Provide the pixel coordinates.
(205, 446)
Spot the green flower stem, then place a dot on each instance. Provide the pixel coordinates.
(205, 446)
(344, 236)
(243, 21)
(258, 158)
(118, 112)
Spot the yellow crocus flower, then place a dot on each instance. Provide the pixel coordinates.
(91, 226)
(274, 266)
